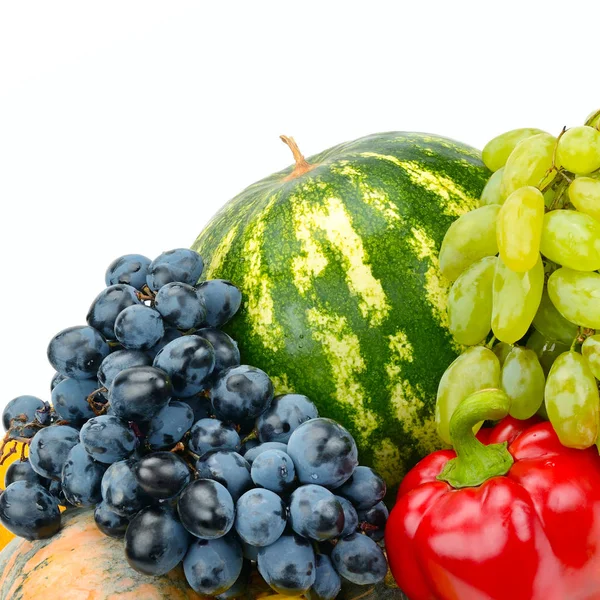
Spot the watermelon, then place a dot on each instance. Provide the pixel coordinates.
(337, 259)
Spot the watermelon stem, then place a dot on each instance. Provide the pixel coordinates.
(302, 165)
(475, 463)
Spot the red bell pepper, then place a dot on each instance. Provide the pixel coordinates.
(516, 517)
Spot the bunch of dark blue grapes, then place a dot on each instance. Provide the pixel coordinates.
(186, 453)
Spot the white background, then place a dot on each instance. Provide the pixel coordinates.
(124, 125)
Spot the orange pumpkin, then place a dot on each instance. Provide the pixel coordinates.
(5, 535)
(81, 563)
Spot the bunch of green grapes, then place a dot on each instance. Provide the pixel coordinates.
(526, 289)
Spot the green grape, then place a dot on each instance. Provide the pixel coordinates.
(578, 150)
(502, 350)
(530, 163)
(470, 302)
(549, 197)
(572, 401)
(516, 300)
(593, 119)
(549, 322)
(547, 350)
(523, 380)
(542, 412)
(497, 151)
(571, 239)
(576, 295)
(519, 229)
(550, 267)
(470, 238)
(476, 369)
(491, 191)
(591, 351)
(584, 194)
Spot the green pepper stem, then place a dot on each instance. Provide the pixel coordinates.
(475, 463)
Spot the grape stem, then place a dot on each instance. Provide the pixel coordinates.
(364, 526)
(491, 342)
(475, 463)
(99, 408)
(582, 335)
(251, 436)
(11, 451)
(144, 297)
(178, 447)
(564, 129)
(592, 118)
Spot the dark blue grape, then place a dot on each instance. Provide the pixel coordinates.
(350, 516)
(181, 265)
(200, 405)
(189, 361)
(261, 517)
(109, 522)
(212, 566)
(81, 478)
(273, 470)
(284, 416)
(29, 511)
(107, 306)
(162, 475)
(229, 469)
(359, 559)
(118, 361)
(170, 334)
(323, 452)
(46, 416)
(207, 435)
(56, 491)
(77, 352)
(139, 393)
(373, 521)
(250, 552)
(21, 470)
(238, 589)
(327, 583)
(49, 449)
(241, 393)
(180, 305)
(252, 453)
(107, 439)
(316, 513)
(249, 444)
(69, 399)
(364, 489)
(56, 379)
(121, 491)
(169, 425)
(20, 411)
(288, 565)
(139, 327)
(130, 269)
(222, 300)
(155, 541)
(206, 509)
(226, 349)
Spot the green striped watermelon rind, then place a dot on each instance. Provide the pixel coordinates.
(343, 297)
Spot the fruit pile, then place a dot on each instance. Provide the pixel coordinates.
(524, 267)
(184, 452)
